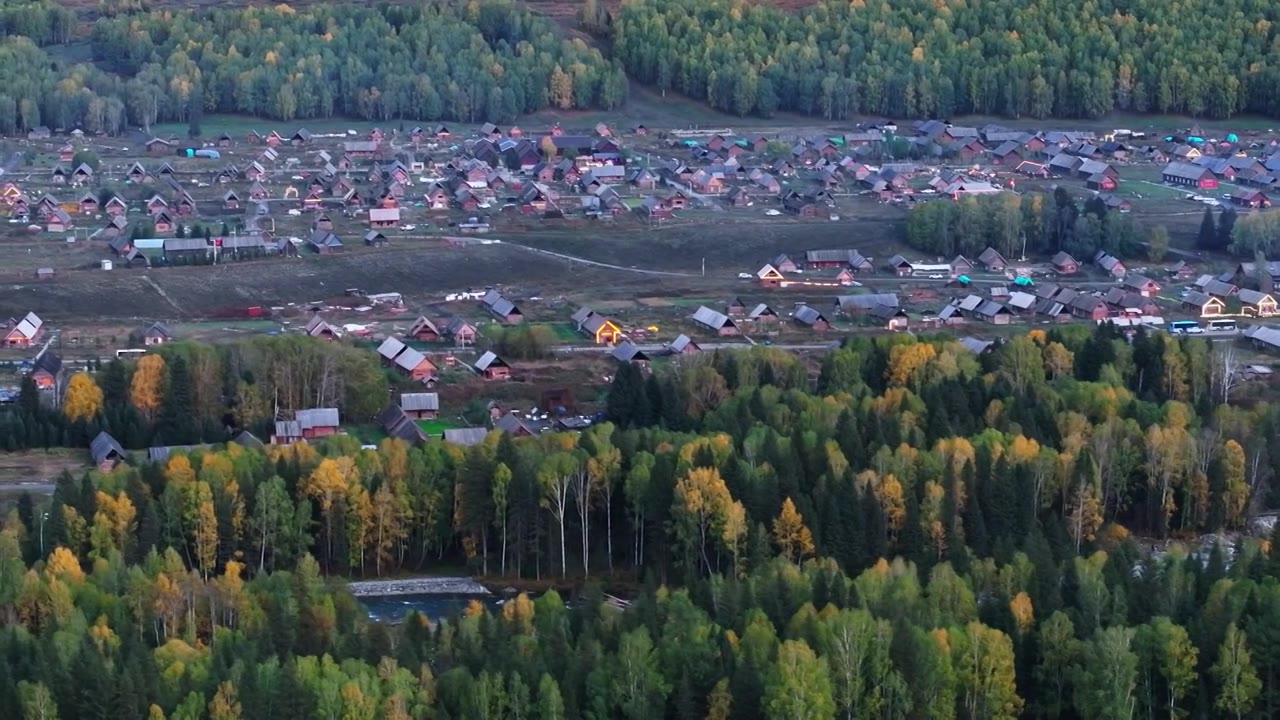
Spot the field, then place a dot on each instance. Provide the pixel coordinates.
(36, 471)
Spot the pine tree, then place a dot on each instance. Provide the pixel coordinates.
(1226, 225)
(1207, 238)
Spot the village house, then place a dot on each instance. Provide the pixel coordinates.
(397, 423)
(1110, 264)
(599, 328)
(1089, 307)
(1064, 264)
(460, 332)
(1181, 270)
(375, 238)
(157, 333)
(23, 333)
(58, 221)
(960, 265)
(683, 345)
(762, 314)
(717, 322)
(158, 146)
(768, 276)
(502, 308)
(492, 367)
(106, 452)
(899, 266)
(1141, 284)
(862, 304)
(1203, 304)
(1258, 304)
(383, 218)
(423, 330)
(420, 406)
(324, 242)
(891, 318)
(46, 371)
(1181, 173)
(993, 261)
(809, 316)
(316, 327)
(306, 425)
(784, 264)
(628, 352)
(389, 350)
(1250, 198)
(414, 365)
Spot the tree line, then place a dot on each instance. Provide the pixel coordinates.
(920, 59)
(490, 60)
(183, 393)
(1035, 223)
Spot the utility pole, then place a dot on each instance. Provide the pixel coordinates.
(704, 267)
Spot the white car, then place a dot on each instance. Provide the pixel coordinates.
(935, 276)
(409, 227)
(298, 177)
(1195, 331)
(772, 213)
(744, 276)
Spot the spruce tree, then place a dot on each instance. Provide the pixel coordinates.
(1207, 238)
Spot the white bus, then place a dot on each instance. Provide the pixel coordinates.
(1227, 325)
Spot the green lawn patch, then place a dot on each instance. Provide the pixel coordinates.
(437, 426)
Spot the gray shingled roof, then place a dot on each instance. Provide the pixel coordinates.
(390, 348)
(465, 436)
(103, 446)
(628, 352)
(712, 318)
(420, 401)
(317, 417)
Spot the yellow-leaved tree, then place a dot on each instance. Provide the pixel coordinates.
(83, 400)
(794, 540)
(146, 390)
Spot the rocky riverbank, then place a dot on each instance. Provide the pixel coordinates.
(418, 586)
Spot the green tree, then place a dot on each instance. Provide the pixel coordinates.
(799, 685)
(1107, 676)
(1238, 683)
(638, 688)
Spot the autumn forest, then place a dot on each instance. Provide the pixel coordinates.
(917, 532)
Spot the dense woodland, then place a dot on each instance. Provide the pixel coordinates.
(920, 58)
(1006, 486)
(490, 60)
(189, 392)
(1028, 223)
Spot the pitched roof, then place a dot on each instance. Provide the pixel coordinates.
(422, 323)
(807, 315)
(712, 318)
(157, 329)
(1186, 171)
(317, 417)
(420, 401)
(103, 446)
(627, 351)
(410, 359)
(992, 256)
(1253, 297)
(391, 348)
(489, 359)
(866, 302)
(760, 311)
(681, 342)
(465, 437)
(975, 345)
